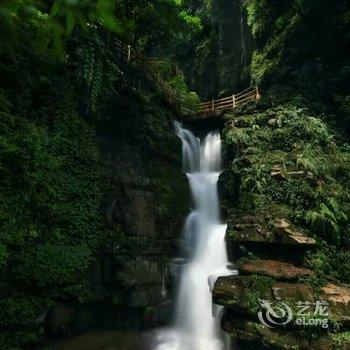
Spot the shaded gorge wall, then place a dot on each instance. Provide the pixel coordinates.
(144, 201)
(217, 64)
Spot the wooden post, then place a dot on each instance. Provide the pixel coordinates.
(233, 101)
(212, 105)
(129, 53)
(257, 93)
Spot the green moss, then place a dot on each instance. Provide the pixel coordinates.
(50, 209)
(256, 288)
(341, 340)
(329, 263)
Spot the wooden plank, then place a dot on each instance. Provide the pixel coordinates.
(245, 100)
(252, 88)
(228, 103)
(224, 99)
(251, 93)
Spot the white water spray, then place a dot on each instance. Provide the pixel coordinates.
(197, 320)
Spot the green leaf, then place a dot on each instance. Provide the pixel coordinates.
(70, 22)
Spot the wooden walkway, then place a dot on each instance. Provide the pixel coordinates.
(231, 102)
(206, 109)
(134, 57)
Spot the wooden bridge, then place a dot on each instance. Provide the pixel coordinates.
(231, 102)
(206, 109)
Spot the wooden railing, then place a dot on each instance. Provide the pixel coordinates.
(231, 102)
(134, 57)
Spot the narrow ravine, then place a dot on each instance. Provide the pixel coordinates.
(197, 321)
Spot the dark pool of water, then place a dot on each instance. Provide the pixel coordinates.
(103, 340)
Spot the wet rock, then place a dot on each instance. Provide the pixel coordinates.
(144, 296)
(285, 232)
(338, 296)
(140, 272)
(139, 214)
(160, 314)
(293, 292)
(272, 268)
(254, 229)
(244, 293)
(241, 293)
(253, 335)
(249, 228)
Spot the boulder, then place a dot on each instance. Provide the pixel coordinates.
(292, 293)
(140, 272)
(273, 268)
(249, 228)
(285, 232)
(252, 228)
(243, 294)
(253, 335)
(338, 297)
(144, 296)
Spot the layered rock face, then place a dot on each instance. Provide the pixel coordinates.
(271, 195)
(145, 199)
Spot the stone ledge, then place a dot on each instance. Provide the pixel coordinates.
(242, 293)
(272, 268)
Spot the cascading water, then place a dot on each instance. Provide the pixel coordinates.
(196, 318)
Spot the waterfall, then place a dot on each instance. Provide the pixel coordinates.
(197, 320)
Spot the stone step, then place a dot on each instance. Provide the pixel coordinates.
(272, 268)
(251, 229)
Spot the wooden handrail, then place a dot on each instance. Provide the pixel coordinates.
(133, 56)
(231, 102)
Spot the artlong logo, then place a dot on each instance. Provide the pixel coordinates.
(277, 313)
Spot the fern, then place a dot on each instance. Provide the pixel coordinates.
(239, 137)
(311, 159)
(328, 219)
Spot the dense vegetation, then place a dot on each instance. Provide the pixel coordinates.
(304, 45)
(290, 165)
(302, 59)
(60, 76)
(288, 155)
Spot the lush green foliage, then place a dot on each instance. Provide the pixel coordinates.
(60, 75)
(50, 199)
(314, 168)
(304, 44)
(189, 100)
(330, 263)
